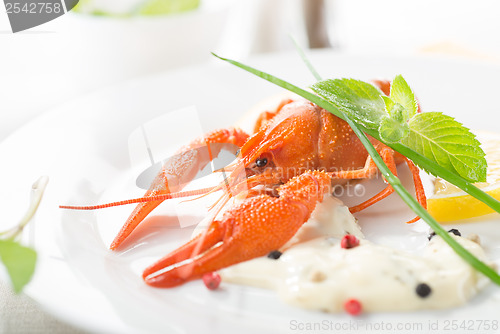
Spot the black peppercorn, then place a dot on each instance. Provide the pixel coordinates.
(453, 230)
(274, 254)
(423, 290)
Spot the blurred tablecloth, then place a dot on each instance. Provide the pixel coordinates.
(20, 314)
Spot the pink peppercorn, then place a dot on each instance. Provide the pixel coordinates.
(349, 241)
(353, 307)
(211, 280)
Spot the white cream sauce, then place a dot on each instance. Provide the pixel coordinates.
(314, 272)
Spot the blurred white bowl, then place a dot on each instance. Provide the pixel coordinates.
(111, 49)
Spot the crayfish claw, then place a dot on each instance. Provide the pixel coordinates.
(253, 228)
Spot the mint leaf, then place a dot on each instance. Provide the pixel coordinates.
(19, 261)
(391, 130)
(394, 126)
(357, 99)
(401, 93)
(447, 142)
(389, 103)
(396, 110)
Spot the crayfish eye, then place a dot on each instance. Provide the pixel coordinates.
(261, 162)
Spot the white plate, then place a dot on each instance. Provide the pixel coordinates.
(83, 147)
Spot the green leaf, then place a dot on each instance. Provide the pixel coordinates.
(389, 103)
(447, 142)
(401, 93)
(396, 110)
(19, 261)
(392, 130)
(393, 127)
(357, 99)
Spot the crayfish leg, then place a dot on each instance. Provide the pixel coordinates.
(370, 169)
(387, 155)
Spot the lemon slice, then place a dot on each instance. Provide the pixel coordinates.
(449, 203)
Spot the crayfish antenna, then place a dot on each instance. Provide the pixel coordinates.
(163, 197)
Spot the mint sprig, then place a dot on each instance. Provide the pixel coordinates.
(433, 135)
(430, 165)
